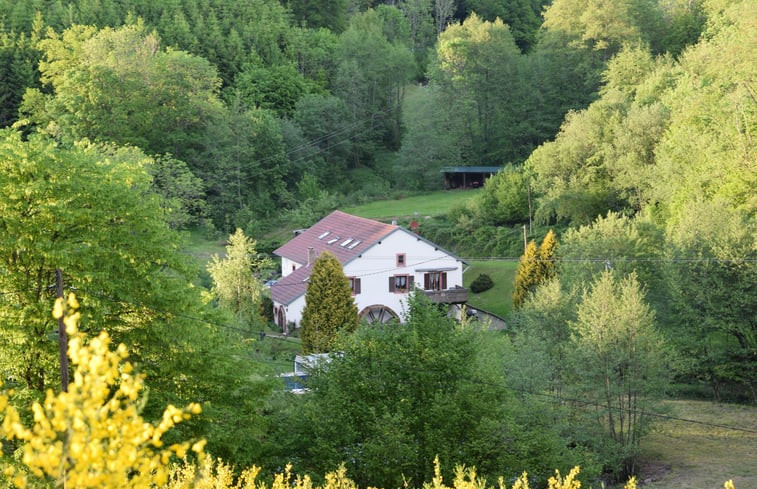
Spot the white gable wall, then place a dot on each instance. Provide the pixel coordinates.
(376, 265)
(288, 266)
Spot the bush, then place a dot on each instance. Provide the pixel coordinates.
(481, 283)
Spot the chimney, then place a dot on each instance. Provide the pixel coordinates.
(311, 255)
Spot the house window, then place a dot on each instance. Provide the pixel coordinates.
(400, 260)
(354, 285)
(399, 284)
(435, 281)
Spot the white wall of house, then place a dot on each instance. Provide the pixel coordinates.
(288, 266)
(379, 263)
(375, 266)
(294, 310)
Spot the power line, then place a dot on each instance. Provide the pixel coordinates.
(315, 142)
(618, 409)
(186, 316)
(619, 259)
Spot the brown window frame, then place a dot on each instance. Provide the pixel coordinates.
(354, 285)
(401, 260)
(435, 281)
(393, 283)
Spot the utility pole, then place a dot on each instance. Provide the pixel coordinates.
(530, 212)
(525, 240)
(63, 354)
(62, 337)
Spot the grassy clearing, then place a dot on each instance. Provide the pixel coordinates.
(498, 299)
(429, 204)
(277, 352)
(681, 455)
(203, 248)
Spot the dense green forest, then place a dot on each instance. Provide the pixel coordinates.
(626, 126)
(272, 104)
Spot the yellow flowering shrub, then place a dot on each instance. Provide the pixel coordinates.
(93, 435)
(215, 474)
(569, 482)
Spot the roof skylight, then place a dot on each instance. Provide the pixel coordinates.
(345, 242)
(333, 240)
(354, 243)
(324, 235)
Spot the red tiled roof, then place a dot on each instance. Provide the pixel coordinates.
(290, 287)
(338, 233)
(341, 227)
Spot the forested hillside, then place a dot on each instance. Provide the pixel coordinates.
(271, 104)
(626, 127)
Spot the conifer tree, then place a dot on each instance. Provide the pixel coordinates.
(527, 275)
(329, 307)
(547, 250)
(537, 266)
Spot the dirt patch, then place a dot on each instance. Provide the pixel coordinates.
(652, 471)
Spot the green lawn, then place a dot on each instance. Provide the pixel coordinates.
(277, 352)
(202, 247)
(429, 204)
(498, 299)
(681, 455)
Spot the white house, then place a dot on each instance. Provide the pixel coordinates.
(383, 263)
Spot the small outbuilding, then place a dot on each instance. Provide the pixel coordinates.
(467, 176)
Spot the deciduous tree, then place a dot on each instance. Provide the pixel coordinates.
(119, 85)
(523, 17)
(398, 395)
(183, 193)
(477, 74)
(621, 364)
(236, 278)
(505, 198)
(711, 276)
(371, 78)
(93, 212)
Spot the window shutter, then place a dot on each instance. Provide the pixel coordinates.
(444, 281)
(391, 284)
(411, 282)
(357, 286)
(426, 281)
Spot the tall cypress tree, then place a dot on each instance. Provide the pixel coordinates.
(329, 307)
(527, 275)
(547, 263)
(536, 266)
